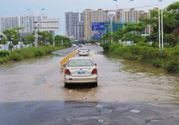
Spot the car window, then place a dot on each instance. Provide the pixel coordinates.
(83, 49)
(80, 62)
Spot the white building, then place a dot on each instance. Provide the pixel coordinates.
(9, 23)
(30, 22)
(49, 25)
(72, 19)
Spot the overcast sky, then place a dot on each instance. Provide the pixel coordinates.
(57, 8)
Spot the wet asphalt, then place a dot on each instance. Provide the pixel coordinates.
(87, 113)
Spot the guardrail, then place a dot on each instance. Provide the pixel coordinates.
(66, 58)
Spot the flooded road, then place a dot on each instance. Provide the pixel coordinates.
(32, 93)
(119, 81)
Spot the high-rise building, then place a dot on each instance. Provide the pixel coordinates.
(81, 17)
(79, 29)
(132, 16)
(72, 19)
(29, 22)
(92, 16)
(9, 23)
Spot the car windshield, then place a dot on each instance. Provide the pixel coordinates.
(80, 63)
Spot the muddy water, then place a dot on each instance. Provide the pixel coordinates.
(119, 81)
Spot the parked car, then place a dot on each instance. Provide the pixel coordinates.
(83, 52)
(80, 70)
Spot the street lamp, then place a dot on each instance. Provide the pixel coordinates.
(36, 27)
(161, 16)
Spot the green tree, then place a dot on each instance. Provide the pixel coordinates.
(173, 7)
(3, 41)
(18, 32)
(62, 41)
(170, 39)
(59, 40)
(44, 36)
(10, 34)
(171, 22)
(29, 39)
(107, 37)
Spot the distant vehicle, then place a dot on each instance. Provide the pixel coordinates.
(80, 45)
(80, 70)
(74, 45)
(83, 52)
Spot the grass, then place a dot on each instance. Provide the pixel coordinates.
(25, 53)
(145, 53)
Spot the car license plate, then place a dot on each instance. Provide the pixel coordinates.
(81, 73)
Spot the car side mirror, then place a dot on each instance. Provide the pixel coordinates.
(95, 64)
(64, 65)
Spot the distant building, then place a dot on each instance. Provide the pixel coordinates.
(132, 16)
(79, 31)
(92, 16)
(9, 23)
(72, 19)
(115, 26)
(50, 25)
(79, 26)
(81, 17)
(29, 22)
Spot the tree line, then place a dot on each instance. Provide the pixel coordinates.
(44, 38)
(133, 31)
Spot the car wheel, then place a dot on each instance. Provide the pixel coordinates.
(65, 85)
(96, 84)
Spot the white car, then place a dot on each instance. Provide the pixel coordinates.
(80, 70)
(74, 45)
(83, 52)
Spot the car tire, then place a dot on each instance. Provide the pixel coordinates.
(96, 84)
(65, 85)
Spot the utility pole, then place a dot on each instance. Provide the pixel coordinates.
(53, 41)
(36, 33)
(62, 42)
(160, 25)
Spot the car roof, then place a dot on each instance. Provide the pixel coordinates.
(79, 58)
(83, 48)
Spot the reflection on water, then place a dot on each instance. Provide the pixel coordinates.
(119, 81)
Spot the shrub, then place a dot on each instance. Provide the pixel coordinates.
(144, 44)
(15, 56)
(168, 58)
(1, 59)
(4, 53)
(126, 52)
(106, 47)
(50, 49)
(173, 66)
(26, 53)
(114, 48)
(157, 63)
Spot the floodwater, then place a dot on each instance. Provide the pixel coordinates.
(40, 79)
